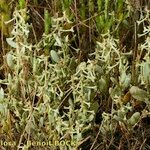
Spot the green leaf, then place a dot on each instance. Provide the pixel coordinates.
(54, 56)
(9, 60)
(117, 118)
(91, 117)
(146, 71)
(138, 94)
(11, 42)
(134, 118)
(1, 94)
(124, 79)
(102, 84)
(58, 40)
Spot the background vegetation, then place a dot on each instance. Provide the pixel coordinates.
(75, 71)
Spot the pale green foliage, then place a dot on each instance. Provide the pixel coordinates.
(139, 94)
(121, 114)
(47, 80)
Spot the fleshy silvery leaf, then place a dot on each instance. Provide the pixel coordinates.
(98, 69)
(138, 94)
(146, 71)
(11, 42)
(117, 118)
(91, 117)
(125, 79)
(1, 94)
(134, 118)
(67, 39)
(41, 121)
(102, 85)
(9, 60)
(54, 56)
(58, 40)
